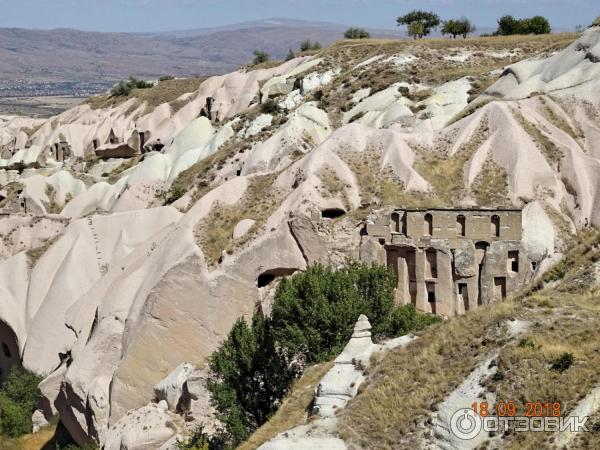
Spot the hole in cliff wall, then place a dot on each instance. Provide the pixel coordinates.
(267, 277)
(332, 213)
(428, 225)
(10, 350)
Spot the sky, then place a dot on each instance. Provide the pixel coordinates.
(166, 15)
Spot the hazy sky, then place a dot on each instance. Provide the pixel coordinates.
(153, 15)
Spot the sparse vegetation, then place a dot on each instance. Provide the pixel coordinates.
(125, 87)
(490, 187)
(549, 149)
(260, 57)
(269, 107)
(445, 172)
(357, 33)
(167, 91)
(308, 45)
(215, 233)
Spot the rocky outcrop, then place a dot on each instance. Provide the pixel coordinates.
(341, 383)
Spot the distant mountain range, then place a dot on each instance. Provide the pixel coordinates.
(67, 61)
(73, 62)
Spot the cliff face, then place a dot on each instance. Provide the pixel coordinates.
(117, 271)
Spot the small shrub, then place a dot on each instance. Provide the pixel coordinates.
(290, 55)
(166, 78)
(357, 33)
(269, 107)
(199, 440)
(309, 45)
(125, 87)
(260, 57)
(563, 362)
(596, 22)
(526, 343)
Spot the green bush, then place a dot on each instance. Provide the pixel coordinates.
(260, 57)
(125, 87)
(596, 22)
(166, 78)
(357, 33)
(290, 55)
(18, 401)
(508, 25)
(563, 362)
(309, 45)
(269, 107)
(312, 319)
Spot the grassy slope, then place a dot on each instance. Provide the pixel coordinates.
(404, 388)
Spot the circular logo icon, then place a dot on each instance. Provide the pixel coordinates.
(465, 424)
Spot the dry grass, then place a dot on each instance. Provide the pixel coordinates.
(380, 186)
(560, 122)
(48, 438)
(405, 387)
(114, 176)
(490, 187)
(293, 411)
(36, 253)
(214, 233)
(164, 92)
(445, 172)
(551, 152)
(394, 408)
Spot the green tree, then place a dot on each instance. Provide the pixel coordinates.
(260, 57)
(596, 22)
(508, 25)
(250, 375)
(357, 33)
(290, 55)
(312, 319)
(415, 30)
(427, 22)
(458, 27)
(536, 25)
(18, 400)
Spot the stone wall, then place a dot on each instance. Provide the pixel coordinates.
(449, 261)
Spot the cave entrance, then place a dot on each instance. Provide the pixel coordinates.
(332, 213)
(9, 350)
(267, 277)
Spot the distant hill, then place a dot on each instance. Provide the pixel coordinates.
(66, 61)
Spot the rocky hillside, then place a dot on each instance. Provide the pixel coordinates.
(115, 271)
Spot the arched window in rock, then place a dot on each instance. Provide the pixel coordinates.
(496, 225)
(428, 225)
(461, 225)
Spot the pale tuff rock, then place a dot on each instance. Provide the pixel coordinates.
(146, 428)
(172, 388)
(575, 69)
(585, 408)
(260, 123)
(242, 228)
(341, 383)
(538, 232)
(462, 397)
